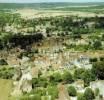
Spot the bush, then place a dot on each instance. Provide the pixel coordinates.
(98, 69)
(53, 91)
(6, 73)
(93, 60)
(72, 91)
(97, 91)
(97, 45)
(81, 97)
(85, 75)
(3, 62)
(78, 73)
(101, 58)
(89, 94)
(67, 77)
(39, 82)
(55, 78)
(88, 76)
(39, 91)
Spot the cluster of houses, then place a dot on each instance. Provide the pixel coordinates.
(58, 59)
(25, 70)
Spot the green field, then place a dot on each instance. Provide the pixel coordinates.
(5, 89)
(57, 6)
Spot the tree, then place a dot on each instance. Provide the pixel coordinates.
(93, 59)
(88, 76)
(97, 45)
(97, 91)
(3, 62)
(85, 75)
(78, 73)
(98, 69)
(3, 21)
(101, 58)
(81, 97)
(56, 77)
(53, 91)
(48, 30)
(6, 73)
(67, 77)
(39, 82)
(72, 91)
(89, 94)
(103, 37)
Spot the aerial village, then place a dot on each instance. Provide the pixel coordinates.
(52, 58)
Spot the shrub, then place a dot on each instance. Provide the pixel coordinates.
(81, 97)
(55, 78)
(53, 91)
(72, 91)
(39, 82)
(67, 77)
(89, 94)
(6, 73)
(93, 60)
(98, 69)
(88, 76)
(85, 75)
(3, 62)
(78, 73)
(97, 45)
(96, 91)
(101, 58)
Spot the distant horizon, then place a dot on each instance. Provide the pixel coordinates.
(50, 1)
(45, 2)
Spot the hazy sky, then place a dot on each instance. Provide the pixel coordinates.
(26, 1)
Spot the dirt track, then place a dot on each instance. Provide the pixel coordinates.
(63, 94)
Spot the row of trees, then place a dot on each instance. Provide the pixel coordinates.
(13, 40)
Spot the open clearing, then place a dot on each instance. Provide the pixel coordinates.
(32, 13)
(5, 89)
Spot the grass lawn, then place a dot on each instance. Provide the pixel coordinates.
(5, 89)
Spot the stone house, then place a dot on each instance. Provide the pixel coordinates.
(98, 84)
(82, 62)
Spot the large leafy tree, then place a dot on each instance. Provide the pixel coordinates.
(89, 94)
(67, 77)
(98, 69)
(72, 91)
